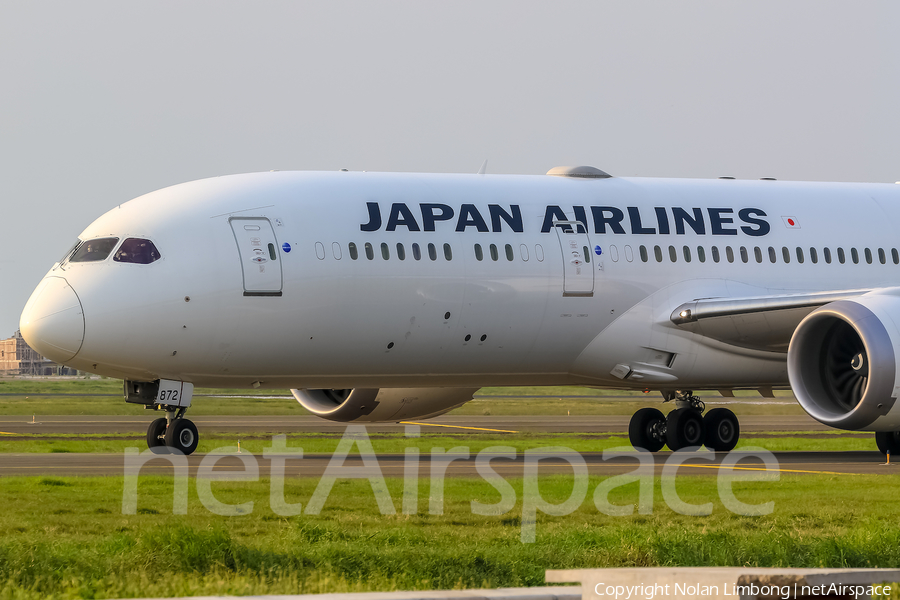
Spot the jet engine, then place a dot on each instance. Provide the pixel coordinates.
(842, 362)
(372, 405)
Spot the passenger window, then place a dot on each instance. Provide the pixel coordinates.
(701, 254)
(757, 253)
(715, 253)
(370, 252)
(494, 254)
(729, 254)
(673, 254)
(385, 251)
(523, 250)
(854, 256)
(479, 253)
(336, 250)
(417, 252)
(143, 252)
(94, 250)
(643, 252)
(539, 252)
(401, 252)
(448, 253)
(868, 256)
(687, 254)
(432, 252)
(354, 253)
(773, 256)
(657, 251)
(881, 257)
(895, 256)
(785, 254)
(827, 253)
(813, 256)
(744, 256)
(841, 257)
(799, 255)
(509, 253)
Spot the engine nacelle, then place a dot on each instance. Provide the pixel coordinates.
(842, 363)
(373, 405)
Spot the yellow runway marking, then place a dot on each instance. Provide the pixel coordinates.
(8, 433)
(768, 470)
(458, 427)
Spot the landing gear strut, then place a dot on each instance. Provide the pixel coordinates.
(685, 426)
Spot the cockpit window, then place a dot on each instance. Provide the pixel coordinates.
(137, 250)
(94, 250)
(70, 251)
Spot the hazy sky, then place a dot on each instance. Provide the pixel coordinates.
(103, 101)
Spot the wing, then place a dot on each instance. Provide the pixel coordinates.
(759, 322)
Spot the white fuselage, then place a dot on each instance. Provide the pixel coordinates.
(208, 311)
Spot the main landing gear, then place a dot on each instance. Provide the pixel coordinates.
(172, 432)
(685, 427)
(888, 442)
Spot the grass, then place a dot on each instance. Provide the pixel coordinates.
(568, 406)
(397, 443)
(93, 385)
(69, 538)
(56, 396)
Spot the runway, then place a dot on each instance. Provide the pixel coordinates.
(392, 465)
(460, 424)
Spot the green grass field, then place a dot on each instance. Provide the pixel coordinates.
(68, 538)
(52, 396)
(397, 443)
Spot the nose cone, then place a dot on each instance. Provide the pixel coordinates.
(53, 322)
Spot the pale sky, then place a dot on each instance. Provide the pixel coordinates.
(101, 102)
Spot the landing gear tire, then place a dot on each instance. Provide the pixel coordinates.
(684, 429)
(182, 436)
(156, 436)
(722, 430)
(645, 430)
(888, 441)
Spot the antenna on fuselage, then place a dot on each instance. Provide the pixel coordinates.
(483, 168)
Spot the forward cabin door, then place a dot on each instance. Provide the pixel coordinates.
(258, 250)
(578, 275)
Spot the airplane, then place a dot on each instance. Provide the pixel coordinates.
(393, 296)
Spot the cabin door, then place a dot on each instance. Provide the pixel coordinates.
(578, 275)
(258, 248)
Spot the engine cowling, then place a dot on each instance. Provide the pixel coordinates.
(373, 405)
(842, 363)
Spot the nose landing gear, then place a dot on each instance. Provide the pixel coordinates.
(684, 427)
(173, 432)
(182, 435)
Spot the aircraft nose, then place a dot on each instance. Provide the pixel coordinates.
(53, 322)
